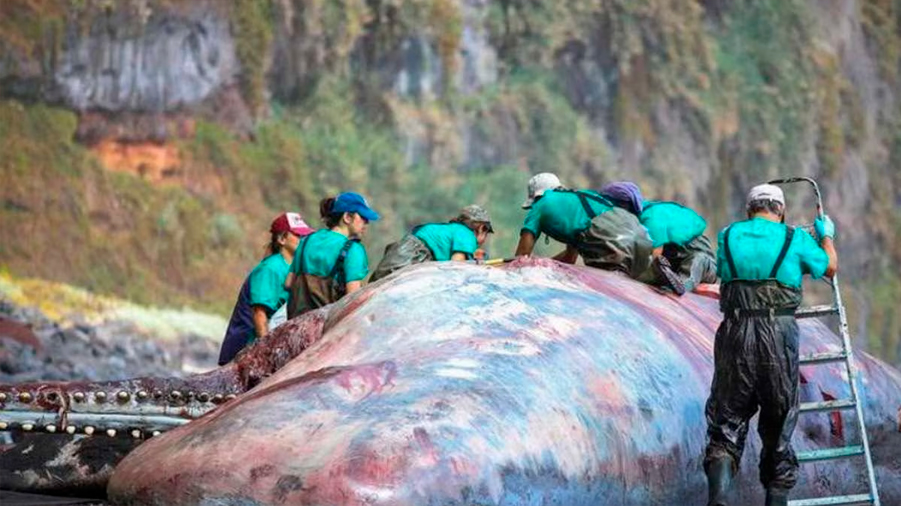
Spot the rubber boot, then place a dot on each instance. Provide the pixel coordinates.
(666, 274)
(719, 482)
(776, 497)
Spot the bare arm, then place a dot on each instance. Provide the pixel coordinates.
(526, 243)
(353, 286)
(829, 245)
(260, 321)
(458, 257)
(569, 255)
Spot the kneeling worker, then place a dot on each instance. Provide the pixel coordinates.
(457, 240)
(606, 236)
(683, 256)
(761, 263)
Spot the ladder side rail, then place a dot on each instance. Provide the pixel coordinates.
(852, 382)
(849, 365)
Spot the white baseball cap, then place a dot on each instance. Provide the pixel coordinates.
(766, 192)
(539, 184)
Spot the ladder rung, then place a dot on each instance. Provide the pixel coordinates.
(823, 358)
(830, 453)
(809, 407)
(835, 500)
(816, 311)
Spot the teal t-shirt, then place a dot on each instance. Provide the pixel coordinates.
(264, 287)
(267, 283)
(560, 214)
(669, 222)
(755, 245)
(321, 253)
(445, 239)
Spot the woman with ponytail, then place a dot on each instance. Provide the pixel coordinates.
(331, 262)
(263, 292)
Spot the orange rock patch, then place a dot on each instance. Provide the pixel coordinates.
(154, 162)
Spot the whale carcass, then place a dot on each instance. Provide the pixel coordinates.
(446, 384)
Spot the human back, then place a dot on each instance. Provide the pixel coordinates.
(445, 239)
(671, 222)
(755, 246)
(561, 214)
(331, 262)
(323, 250)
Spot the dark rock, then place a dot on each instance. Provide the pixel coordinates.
(111, 350)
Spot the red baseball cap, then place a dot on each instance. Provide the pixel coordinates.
(290, 222)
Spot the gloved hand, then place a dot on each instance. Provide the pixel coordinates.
(824, 227)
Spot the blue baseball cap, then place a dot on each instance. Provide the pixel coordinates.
(350, 202)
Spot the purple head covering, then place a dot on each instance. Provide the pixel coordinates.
(625, 194)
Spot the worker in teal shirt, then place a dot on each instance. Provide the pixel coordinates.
(263, 292)
(331, 262)
(605, 236)
(761, 263)
(677, 233)
(456, 240)
(683, 256)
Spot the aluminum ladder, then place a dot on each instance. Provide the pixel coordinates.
(853, 402)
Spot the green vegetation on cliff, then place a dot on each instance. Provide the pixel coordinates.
(66, 218)
(252, 24)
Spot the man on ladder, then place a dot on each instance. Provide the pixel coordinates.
(761, 262)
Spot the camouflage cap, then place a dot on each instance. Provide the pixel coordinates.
(475, 212)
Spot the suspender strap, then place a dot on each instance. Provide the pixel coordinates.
(585, 197)
(728, 253)
(789, 233)
(588, 210)
(303, 248)
(597, 198)
(339, 263)
(308, 299)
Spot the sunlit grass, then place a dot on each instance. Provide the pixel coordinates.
(68, 305)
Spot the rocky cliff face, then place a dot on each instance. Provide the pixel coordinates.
(694, 100)
(159, 64)
(136, 64)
